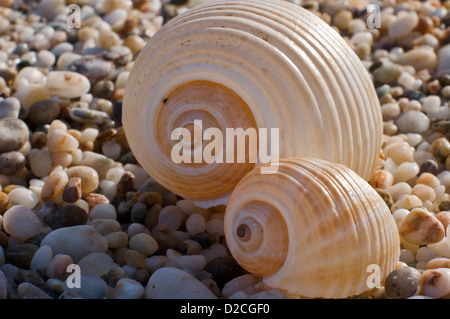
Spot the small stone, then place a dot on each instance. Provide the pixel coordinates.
(387, 73)
(91, 287)
(192, 262)
(435, 283)
(41, 258)
(134, 259)
(43, 112)
(138, 213)
(61, 141)
(127, 288)
(75, 241)
(70, 215)
(439, 262)
(54, 184)
(440, 148)
(99, 162)
(94, 199)
(169, 282)
(13, 134)
(89, 177)
(114, 275)
(29, 291)
(189, 247)
(404, 23)
(444, 218)
(238, 284)
(19, 221)
(105, 226)
(21, 255)
(444, 58)
(11, 162)
(429, 180)
(29, 276)
(126, 182)
(420, 227)
(172, 217)
(118, 239)
(96, 264)
(420, 58)
(195, 224)
(106, 211)
(91, 68)
(72, 190)
(103, 89)
(402, 283)
(144, 244)
(152, 217)
(413, 122)
(429, 166)
(223, 269)
(150, 198)
(88, 116)
(386, 196)
(424, 192)
(67, 84)
(205, 239)
(57, 268)
(10, 107)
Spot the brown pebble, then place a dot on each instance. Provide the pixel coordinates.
(434, 87)
(150, 198)
(152, 217)
(29, 276)
(425, 24)
(141, 275)
(382, 179)
(134, 259)
(444, 205)
(126, 182)
(38, 140)
(94, 199)
(4, 200)
(114, 275)
(444, 218)
(386, 196)
(429, 180)
(440, 149)
(72, 191)
(439, 262)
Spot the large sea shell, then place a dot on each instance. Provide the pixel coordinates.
(241, 64)
(313, 229)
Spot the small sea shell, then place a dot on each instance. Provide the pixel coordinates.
(313, 229)
(261, 64)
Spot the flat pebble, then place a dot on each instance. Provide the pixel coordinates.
(13, 134)
(127, 288)
(43, 112)
(421, 227)
(75, 241)
(19, 221)
(67, 84)
(96, 264)
(436, 282)
(173, 283)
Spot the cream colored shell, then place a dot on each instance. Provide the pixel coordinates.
(253, 63)
(313, 229)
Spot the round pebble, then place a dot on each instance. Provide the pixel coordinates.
(421, 227)
(10, 107)
(402, 283)
(127, 288)
(19, 221)
(13, 134)
(67, 84)
(89, 177)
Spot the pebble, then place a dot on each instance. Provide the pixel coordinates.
(13, 134)
(72, 190)
(29, 291)
(19, 221)
(10, 107)
(41, 258)
(91, 68)
(223, 269)
(20, 255)
(421, 227)
(172, 217)
(57, 268)
(444, 218)
(70, 215)
(438, 262)
(96, 264)
(381, 179)
(420, 58)
(11, 162)
(87, 116)
(75, 241)
(67, 84)
(3, 286)
(105, 226)
(387, 73)
(406, 202)
(144, 244)
(413, 122)
(90, 287)
(127, 288)
(43, 112)
(134, 259)
(435, 283)
(89, 177)
(106, 211)
(444, 58)
(61, 141)
(40, 162)
(118, 239)
(404, 23)
(424, 192)
(54, 184)
(114, 275)
(173, 283)
(99, 162)
(192, 262)
(238, 284)
(402, 283)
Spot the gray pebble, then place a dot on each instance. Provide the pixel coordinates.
(11, 162)
(29, 291)
(30, 276)
(94, 68)
(91, 287)
(13, 134)
(21, 255)
(402, 282)
(10, 107)
(114, 275)
(86, 116)
(138, 213)
(429, 166)
(43, 112)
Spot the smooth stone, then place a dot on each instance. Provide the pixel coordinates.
(72, 191)
(13, 134)
(92, 68)
(103, 211)
(88, 116)
(70, 215)
(223, 269)
(172, 217)
(438, 262)
(45, 209)
(30, 276)
(75, 241)
(67, 84)
(21, 255)
(238, 284)
(144, 244)
(114, 275)
(10, 107)
(402, 283)
(189, 247)
(420, 58)
(43, 112)
(29, 291)
(91, 287)
(96, 264)
(105, 225)
(413, 122)
(89, 177)
(420, 227)
(24, 197)
(138, 213)
(103, 89)
(192, 262)
(60, 141)
(3, 286)
(54, 184)
(19, 221)
(436, 282)
(117, 239)
(404, 23)
(40, 162)
(97, 161)
(387, 73)
(444, 59)
(127, 288)
(173, 283)
(57, 268)
(41, 258)
(11, 162)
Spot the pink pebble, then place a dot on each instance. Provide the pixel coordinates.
(57, 268)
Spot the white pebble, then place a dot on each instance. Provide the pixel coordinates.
(431, 104)
(406, 171)
(171, 216)
(96, 264)
(144, 243)
(67, 84)
(413, 122)
(19, 221)
(107, 211)
(195, 224)
(115, 174)
(107, 188)
(41, 258)
(111, 149)
(215, 226)
(192, 262)
(155, 262)
(24, 197)
(127, 288)
(137, 228)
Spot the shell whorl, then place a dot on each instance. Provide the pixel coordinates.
(319, 226)
(266, 64)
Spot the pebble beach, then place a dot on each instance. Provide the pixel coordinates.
(73, 195)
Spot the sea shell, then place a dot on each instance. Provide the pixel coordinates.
(313, 229)
(261, 64)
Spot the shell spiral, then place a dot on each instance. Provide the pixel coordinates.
(249, 64)
(311, 229)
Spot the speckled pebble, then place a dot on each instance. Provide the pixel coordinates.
(421, 227)
(402, 283)
(13, 134)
